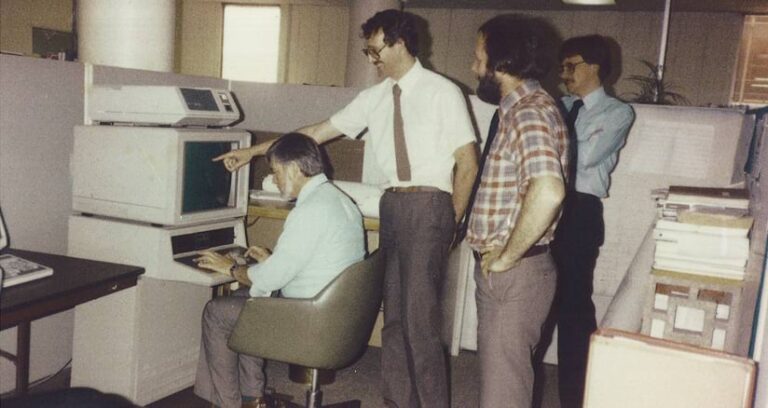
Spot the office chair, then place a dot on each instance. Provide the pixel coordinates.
(326, 332)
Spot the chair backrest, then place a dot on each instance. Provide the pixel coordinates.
(328, 331)
(346, 309)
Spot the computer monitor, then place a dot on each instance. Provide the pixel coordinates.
(161, 176)
(3, 234)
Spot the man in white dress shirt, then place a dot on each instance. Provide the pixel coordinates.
(322, 235)
(423, 141)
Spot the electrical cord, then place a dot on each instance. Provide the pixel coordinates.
(36, 382)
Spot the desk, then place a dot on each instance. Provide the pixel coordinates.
(265, 224)
(74, 281)
(279, 210)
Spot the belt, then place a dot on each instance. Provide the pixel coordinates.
(532, 251)
(413, 189)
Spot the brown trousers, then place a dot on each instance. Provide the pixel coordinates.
(415, 236)
(512, 307)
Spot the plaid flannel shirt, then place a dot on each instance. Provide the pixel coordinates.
(532, 141)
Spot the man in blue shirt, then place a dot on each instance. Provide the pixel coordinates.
(322, 235)
(598, 126)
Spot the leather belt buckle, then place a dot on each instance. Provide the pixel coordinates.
(532, 251)
(413, 189)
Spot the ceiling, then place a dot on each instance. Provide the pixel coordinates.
(736, 6)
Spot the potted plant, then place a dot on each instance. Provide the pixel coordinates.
(653, 89)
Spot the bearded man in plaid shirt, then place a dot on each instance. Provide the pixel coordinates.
(516, 207)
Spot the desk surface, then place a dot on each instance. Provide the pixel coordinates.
(280, 210)
(74, 281)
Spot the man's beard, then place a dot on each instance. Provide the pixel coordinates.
(489, 89)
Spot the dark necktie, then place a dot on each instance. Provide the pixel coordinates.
(401, 150)
(481, 165)
(570, 121)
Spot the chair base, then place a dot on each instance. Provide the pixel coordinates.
(313, 400)
(303, 375)
(344, 404)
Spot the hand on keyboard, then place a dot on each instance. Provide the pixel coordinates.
(258, 253)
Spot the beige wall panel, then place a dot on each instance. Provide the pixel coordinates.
(15, 34)
(304, 44)
(684, 52)
(720, 54)
(609, 23)
(17, 17)
(640, 41)
(586, 22)
(201, 38)
(53, 14)
(435, 53)
(332, 46)
(463, 34)
(695, 41)
(563, 21)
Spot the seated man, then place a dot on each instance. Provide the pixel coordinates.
(322, 235)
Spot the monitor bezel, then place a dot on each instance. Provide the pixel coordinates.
(238, 181)
(3, 232)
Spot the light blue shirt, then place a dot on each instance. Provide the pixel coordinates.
(601, 128)
(322, 235)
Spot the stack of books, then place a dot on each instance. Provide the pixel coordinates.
(703, 231)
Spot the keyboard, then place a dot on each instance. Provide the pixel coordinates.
(236, 253)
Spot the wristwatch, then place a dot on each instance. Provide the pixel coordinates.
(232, 269)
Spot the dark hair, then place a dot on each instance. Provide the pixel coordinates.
(594, 49)
(396, 25)
(516, 45)
(300, 149)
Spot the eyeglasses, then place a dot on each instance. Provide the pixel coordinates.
(570, 66)
(370, 52)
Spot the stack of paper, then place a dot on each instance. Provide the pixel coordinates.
(703, 231)
(712, 204)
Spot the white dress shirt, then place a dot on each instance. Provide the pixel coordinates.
(322, 235)
(601, 129)
(436, 123)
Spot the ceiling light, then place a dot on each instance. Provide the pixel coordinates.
(591, 2)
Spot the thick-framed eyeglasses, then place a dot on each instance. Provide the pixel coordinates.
(375, 54)
(569, 67)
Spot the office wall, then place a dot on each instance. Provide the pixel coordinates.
(199, 38)
(317, 45)
(40, 102)
(315, 36)
(17, 17)
(701, 53)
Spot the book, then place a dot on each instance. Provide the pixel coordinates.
(709, 196)
(725, 262)
(716, 217)
(733, 253)
(698, 268)
(706, 230)
(19, 270)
